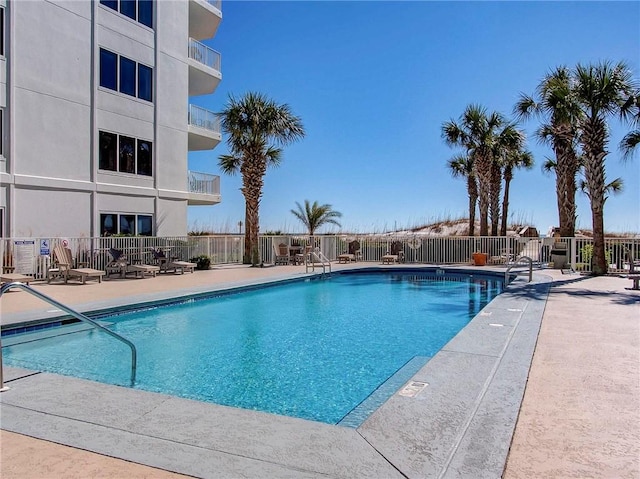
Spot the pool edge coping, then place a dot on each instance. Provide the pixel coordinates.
(382, 441)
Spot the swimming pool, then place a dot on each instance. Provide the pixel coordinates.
(329, 350)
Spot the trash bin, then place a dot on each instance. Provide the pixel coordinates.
(559, 255)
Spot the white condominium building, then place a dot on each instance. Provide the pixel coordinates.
(95, 118)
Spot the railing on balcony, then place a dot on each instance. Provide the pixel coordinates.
(216, 3)
(203, 54)
(203, 183)
(203, 118)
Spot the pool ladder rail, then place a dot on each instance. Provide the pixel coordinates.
(16, 284)
(515, 263)
(316, 259)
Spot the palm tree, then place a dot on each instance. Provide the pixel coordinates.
(476, 132)
(256, 127)
(462, 166)
(512, 160)
(602, 90)
(507, 148)
(629, 143)
(556, 105)
(313, 216)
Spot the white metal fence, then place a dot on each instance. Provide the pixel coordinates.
(33, 256)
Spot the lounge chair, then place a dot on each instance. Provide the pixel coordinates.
(633, 274)
(11, 277)
(352, 255)
(64, 267)
(122, 266)
(396, 255)
(302, 258)
(281, 254)
(165, 263)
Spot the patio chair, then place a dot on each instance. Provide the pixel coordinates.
(122, 266)
(64, 269)
(352, 255)
(167, 263)
(281, 254)
(396, 255)
(302, 258)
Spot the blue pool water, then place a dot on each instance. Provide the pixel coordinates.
(313, 349)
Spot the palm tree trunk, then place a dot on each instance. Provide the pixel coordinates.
(494, 207)
(594, 137)
(505, 202)
(472, 189)
(566, 170)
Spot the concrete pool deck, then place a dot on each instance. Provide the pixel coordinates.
(460, 425)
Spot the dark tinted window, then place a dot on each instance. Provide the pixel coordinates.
(127, 154)
(145, 82)
(108, 224)
(145, 12)
(128, 8)
(108, 151)
(127, 224)
(108, 69)
(1, 31)
(144, 157)
(127, 76)
(110, 3)
(145, 225)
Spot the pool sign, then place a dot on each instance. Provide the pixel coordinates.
(44, 247)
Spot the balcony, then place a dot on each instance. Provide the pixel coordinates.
(204, 18)
(204, 129)
(203, 188)
(204, 68)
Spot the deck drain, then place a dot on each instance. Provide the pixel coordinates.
(484, 313)
(514, 309)
(412, 389)
(496, 325)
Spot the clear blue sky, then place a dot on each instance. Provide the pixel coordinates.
(373, 83)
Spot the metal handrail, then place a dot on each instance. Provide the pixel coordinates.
(519, 260)
(322, 261)
(16, 284)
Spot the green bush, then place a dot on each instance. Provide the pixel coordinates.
(202, 261)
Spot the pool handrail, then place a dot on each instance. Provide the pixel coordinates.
(25, 287)
(515, 263)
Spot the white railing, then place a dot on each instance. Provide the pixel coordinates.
(203, 183)
(216, 3)
(203, 118)
(32, 256)
(203, 54)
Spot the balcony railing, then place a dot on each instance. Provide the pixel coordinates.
(203, 183)
(216, 3)
(203, 118)
(203, 54)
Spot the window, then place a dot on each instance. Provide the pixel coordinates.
(144, 157)
(145, 225)
(1, 132)
(142, 88)
(126, 224)
(128, 8)
(140, 10)
(125, 154)
(127, 76)
(1, 31)
(145, 12)
(113, 4)
(108, 69)
(145, 82)
(108, 149)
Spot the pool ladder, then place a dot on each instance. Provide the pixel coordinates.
(317, 259)
(515, 263)
(16, 284)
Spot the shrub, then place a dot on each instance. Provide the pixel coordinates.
(202, 261)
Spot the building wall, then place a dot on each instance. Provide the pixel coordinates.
(54, 109)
